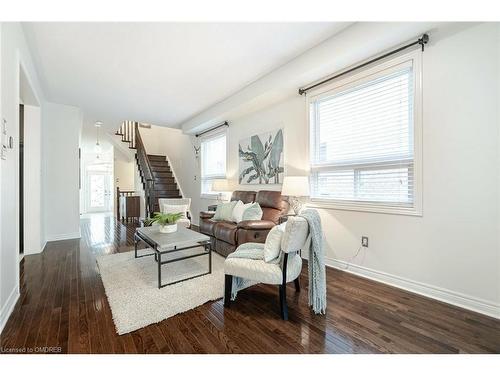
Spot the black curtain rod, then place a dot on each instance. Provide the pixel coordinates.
(422, 41)
(225, 123)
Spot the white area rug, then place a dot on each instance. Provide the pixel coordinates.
(131, 286)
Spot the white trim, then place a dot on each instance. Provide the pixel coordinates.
(330, 204)
(64, 236)
(465, 301)
(8, 307)
(211, 196)
(175, 177)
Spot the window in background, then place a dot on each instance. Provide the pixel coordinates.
(213, 161)
(365, 139)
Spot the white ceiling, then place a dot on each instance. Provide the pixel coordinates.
(160, 73)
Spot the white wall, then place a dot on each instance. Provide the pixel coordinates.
(14, 53)
(350, 46)
(34, 239)
(452, 252)
(61, 171)
(123, 173)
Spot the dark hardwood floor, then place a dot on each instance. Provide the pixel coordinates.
(63, 304)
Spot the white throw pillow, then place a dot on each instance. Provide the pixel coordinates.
(174, 208)
(272, 246)
(238, 211)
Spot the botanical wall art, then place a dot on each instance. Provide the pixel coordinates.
(261, 158)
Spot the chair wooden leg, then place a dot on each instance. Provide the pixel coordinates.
(297, 284)
(283, 305)
(228, 284)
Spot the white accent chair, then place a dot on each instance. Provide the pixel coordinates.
(295, 237)
(186, 219)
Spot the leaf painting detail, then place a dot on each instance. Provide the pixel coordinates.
(261, 159)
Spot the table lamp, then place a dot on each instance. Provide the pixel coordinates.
(295, 187)
(221, 186)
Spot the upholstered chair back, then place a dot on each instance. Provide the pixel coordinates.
(296, 234)
(174, 202)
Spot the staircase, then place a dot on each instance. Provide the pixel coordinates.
(156, 175)
(165, 185)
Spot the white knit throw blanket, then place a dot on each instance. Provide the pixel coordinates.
(316, 269)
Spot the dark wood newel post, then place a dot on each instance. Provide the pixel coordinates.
(118, 202)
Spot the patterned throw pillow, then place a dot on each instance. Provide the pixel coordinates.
(239, 210)
(254, 212)
(224, 211)
(272, 246)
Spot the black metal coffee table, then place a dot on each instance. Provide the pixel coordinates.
(168, 243)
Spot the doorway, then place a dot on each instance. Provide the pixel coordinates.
(99, 191)
(29, 220)
(21, 179)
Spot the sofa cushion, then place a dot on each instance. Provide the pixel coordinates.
(269, 199)
(256, 224)
(238, 211)
(244, 196)
(273, 205)
(226, 231)
(254, 212)
(271, 214)
(207, 214)
(207, 226)
(224, 211)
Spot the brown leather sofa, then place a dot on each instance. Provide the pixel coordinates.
(226, 236)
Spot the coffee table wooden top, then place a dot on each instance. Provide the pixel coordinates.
(181, 238)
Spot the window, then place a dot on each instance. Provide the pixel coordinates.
(365, 137)
(213, 160)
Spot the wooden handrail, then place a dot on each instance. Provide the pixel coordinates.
(147, 170)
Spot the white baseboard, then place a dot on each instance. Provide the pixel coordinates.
(6, 310)
(444, 295)
(65, 236)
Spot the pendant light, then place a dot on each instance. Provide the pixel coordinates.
(97, 147)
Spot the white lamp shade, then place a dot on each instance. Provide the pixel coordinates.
(295, 186)
(221, 185)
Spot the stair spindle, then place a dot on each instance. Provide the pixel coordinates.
(132, 144)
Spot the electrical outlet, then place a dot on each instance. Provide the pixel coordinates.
(364, 241)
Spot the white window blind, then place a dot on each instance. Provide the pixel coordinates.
(362, 140)
(213, 160)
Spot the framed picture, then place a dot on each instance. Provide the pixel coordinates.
(261, 158)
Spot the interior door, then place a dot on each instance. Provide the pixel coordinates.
(99, 192)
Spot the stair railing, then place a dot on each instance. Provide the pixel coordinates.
(147, 170)
(121, 194)
(127, 131)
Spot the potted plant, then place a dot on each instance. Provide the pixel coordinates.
(167, 222)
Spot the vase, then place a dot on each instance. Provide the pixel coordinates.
(169, 228)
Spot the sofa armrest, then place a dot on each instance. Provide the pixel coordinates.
(207, 214)
(256, 224)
